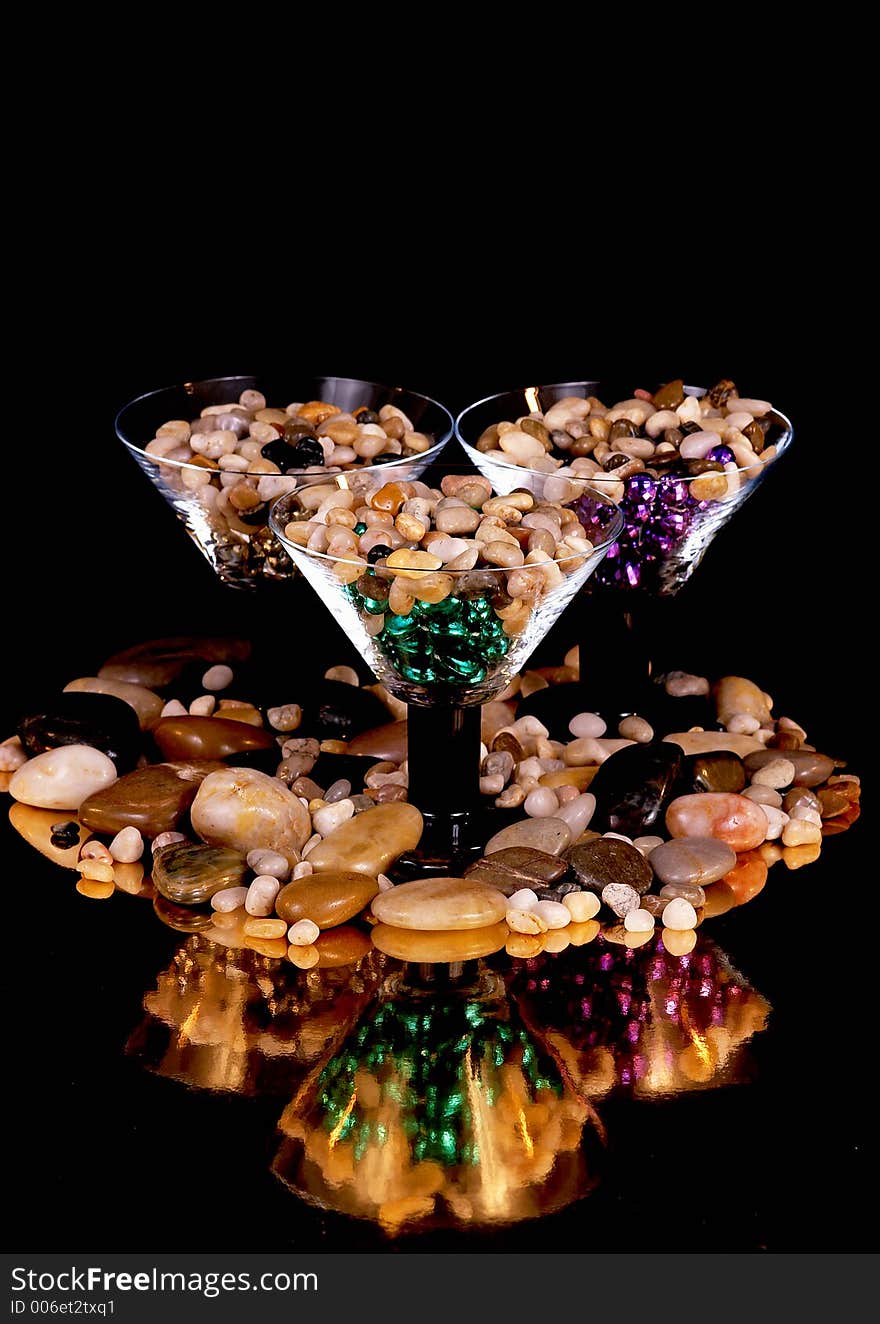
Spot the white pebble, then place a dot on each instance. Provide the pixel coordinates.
(554, 914)
(302, 870)
(285, 718)
(218, 677)
(332, 816)
(541, 803)
(524, 899)
(264, 861)
(638, 921)
(618, 836)
(385, 883)
(174, 708)
(636, 728)
(776, 821)
(347, 675)
(647, 844)
(127, 846)
(776, 774)
(577, 813)
(203, 706)
(587, 724)
(679, 914)
(680, 683)
(581, 905)
(763, 795)
(166, 839)
(743, 724)
(229, 899)
(12, 756)
(800, 832)
(261, 895)
(525, 921)
(303, 933)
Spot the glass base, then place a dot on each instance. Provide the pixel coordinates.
(450, 842)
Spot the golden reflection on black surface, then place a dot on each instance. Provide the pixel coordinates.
(449, 1096)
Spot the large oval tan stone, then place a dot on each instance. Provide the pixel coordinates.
(706, 742)
(736, 694)
(244, 808)
(62, 778)
(146, 704)
(433, 947)
(35, 825)
(327, 899)
(441, 903)
(371, 841)
(550, 835)
(208, 737)
(719, 814)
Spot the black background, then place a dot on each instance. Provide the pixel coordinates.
(107, 1155)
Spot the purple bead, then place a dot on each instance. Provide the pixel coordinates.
(723, 454)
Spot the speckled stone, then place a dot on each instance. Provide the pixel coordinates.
(246, 809)
(607, 860)
(440, 903)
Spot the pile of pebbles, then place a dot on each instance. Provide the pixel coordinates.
(442, 578)
(660, 824)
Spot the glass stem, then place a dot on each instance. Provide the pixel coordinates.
(443, 747)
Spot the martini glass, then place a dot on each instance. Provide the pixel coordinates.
(668, 527)
(445, 642)
(439, 1111)
(238, 543)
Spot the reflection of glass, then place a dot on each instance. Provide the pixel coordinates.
(438, 1110)
(443, 641)
(641, 1021)
(238, 543)
(227, 1019)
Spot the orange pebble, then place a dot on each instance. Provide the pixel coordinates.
(316, 411)
(389, 498)
(745, 879)
(98, 891)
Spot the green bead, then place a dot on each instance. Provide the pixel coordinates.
(360, 528)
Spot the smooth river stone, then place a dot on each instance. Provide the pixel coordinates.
(210, 738)
(730, 818)
(633, 786)
(607, 860)
(159, 662)
(383, 742)
(515, 867)
(809, 769)
(735, 694)
(438, 947)
(62, 778)
(35, 825)
(244, 808)
(371, 841)
(327, 899)
(550, 835)
(720, 770)
(706, 742)
(146, 704)
(700, 860)
(99, 720)
(188, 873)
(153, 799)
(440, 903)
